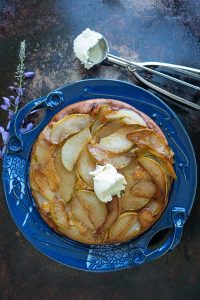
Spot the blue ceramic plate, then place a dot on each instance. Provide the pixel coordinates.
(91, 257)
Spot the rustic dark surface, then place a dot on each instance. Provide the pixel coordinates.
(142, 30)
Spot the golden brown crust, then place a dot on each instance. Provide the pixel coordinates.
(90, 107)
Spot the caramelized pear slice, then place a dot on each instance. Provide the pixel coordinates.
(40, 198)
(144, 188)
(69, 125)
(80, 183)
(40, 183)
(149, 138)
(108, 129)
(96, 209)
(154, 206)
(67, 178)
(42, 148)
(81, 213)
(139, 173)
(76, 234)
(156, 172)
(126, 225)
(146, 217)
(59, 213)
(100, 120)
(42, 202)
(50, 171)
(130, 117)
(130, 202)
(86, 164)
(107, 157)
(112, 214)
(117, 142)
(44, 158)
(73, 147)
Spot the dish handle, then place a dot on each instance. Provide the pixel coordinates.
(178, 216)
(53, 100)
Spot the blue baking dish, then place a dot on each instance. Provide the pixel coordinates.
(98, 258)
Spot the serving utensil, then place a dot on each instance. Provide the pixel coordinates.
(149, 67)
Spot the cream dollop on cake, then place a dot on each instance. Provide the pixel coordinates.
(107, 182)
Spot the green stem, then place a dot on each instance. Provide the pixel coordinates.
(20, 70)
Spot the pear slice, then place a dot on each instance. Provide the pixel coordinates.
(144, 188)
(100, 120)
(69, 125)
(86, 164)
(73, 147)
(149, 138)
(154, 206)
(107, 157)
(117, 142)
(156, 172)
(59, 213)
(166, 164)
(112, 214)
(39, 182)
(130, 202)
(80, 183)
(96, 209)
(108, 129)
(126, 225)
(139, 189)
(42, 202)
(50, 171)
(146, 217)
(81, 213)
(130, 117)
(67, 178)
(44, 157)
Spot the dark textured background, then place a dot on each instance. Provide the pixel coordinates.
(142, 30)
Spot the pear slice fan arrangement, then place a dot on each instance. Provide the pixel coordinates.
(101, 132)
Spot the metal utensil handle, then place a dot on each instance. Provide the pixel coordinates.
(141, 66)
(132, 66)
(182, 69)
(165, 93)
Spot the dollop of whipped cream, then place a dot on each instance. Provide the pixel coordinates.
(107, 182)
(87, 49)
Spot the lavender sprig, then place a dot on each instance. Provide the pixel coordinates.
(11, 104)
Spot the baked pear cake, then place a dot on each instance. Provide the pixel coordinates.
(101, 172)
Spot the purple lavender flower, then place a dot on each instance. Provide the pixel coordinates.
(29, 74)
(12, 98)
(4, 107)
(6, 101)
(10, 114)
(20, 91)
(17, 100)
(1, 129)
(5, 137)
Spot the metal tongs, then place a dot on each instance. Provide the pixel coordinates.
(134, 67)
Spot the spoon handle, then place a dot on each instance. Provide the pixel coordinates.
(134, 66)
